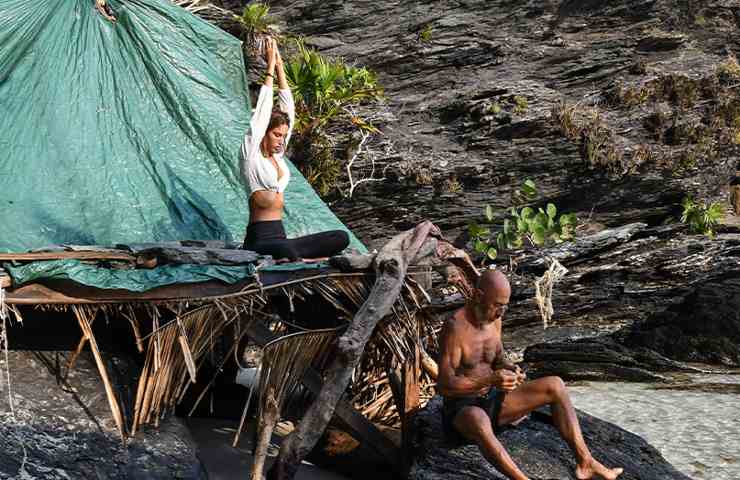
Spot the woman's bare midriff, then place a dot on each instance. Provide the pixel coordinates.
(265, 206)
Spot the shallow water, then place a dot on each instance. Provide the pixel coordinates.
(697, 430)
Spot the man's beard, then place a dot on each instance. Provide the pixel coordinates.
(484, 314)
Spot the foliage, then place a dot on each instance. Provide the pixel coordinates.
(324, 169)
(325, 90)
(255, 18)
(700, 217)
(323, 87)
(520, 104)
(539, 227)
(425, 34)
(729, 70)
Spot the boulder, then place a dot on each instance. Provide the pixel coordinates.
(62, 428)
(703, 328)
(536, 446)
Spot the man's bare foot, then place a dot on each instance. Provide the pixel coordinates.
(594, 469)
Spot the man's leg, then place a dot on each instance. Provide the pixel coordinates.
(473, 424)
(551, 391)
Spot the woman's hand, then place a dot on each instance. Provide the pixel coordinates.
(270, 52)
(278, 57)
(282, 80)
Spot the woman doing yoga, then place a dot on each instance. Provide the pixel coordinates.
(266, 174)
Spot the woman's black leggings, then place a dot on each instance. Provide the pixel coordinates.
(268, 238)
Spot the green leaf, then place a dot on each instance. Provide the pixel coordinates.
(492, 253)
(489, 213)
(527, 213)
(501, 241)
(541, 219)
(521, 225)
(528, 189)
(480, 246)
(568, 219)
(538, 236)
(552, 211)
(473, 229)
(507, 226)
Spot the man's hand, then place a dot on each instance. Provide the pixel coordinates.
(505, 379)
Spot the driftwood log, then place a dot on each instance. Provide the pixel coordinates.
(391, 264)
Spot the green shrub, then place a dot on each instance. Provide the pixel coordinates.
(520, 104)
(700, 217)
(324, 89)
(323, 86)
(539, 227)
(729, 70)
(255, 18)
(425, 35)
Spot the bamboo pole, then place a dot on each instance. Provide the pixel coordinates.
(112, 400)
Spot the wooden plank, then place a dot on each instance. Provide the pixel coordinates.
(81, 255)
(346, 416)
(69, 293)
(203, 256)
(411, 403)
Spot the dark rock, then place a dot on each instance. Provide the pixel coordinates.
(61, 429)
(536, 446)
(704, 328)
(598, 359)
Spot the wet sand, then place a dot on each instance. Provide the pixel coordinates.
(695, 427)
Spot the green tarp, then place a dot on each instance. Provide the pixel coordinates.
(138, 280)
(127, 132)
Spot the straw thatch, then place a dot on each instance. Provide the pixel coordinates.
(182, 335)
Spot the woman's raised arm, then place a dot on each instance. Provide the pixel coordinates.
(285, 96)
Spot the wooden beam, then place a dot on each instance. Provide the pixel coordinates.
(411, 401)
(391, 265)
(85, 255)
(349, 419)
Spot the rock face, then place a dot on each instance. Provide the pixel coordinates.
(62, 429)
(470, 91)
(703, 328)
(536, 446)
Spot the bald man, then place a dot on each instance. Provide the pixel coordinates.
(483, 392)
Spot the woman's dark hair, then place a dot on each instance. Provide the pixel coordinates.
(278, 118)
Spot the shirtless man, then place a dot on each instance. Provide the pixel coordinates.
(482, 391)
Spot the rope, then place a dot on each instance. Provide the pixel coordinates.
(543, 289)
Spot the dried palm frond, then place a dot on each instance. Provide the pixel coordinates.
(284, 363)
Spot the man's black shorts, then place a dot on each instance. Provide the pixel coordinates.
(489, 403)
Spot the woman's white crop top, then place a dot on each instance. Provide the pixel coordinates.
(258, 173)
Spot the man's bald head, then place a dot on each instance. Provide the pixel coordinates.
(493, 281)
(491, 296)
